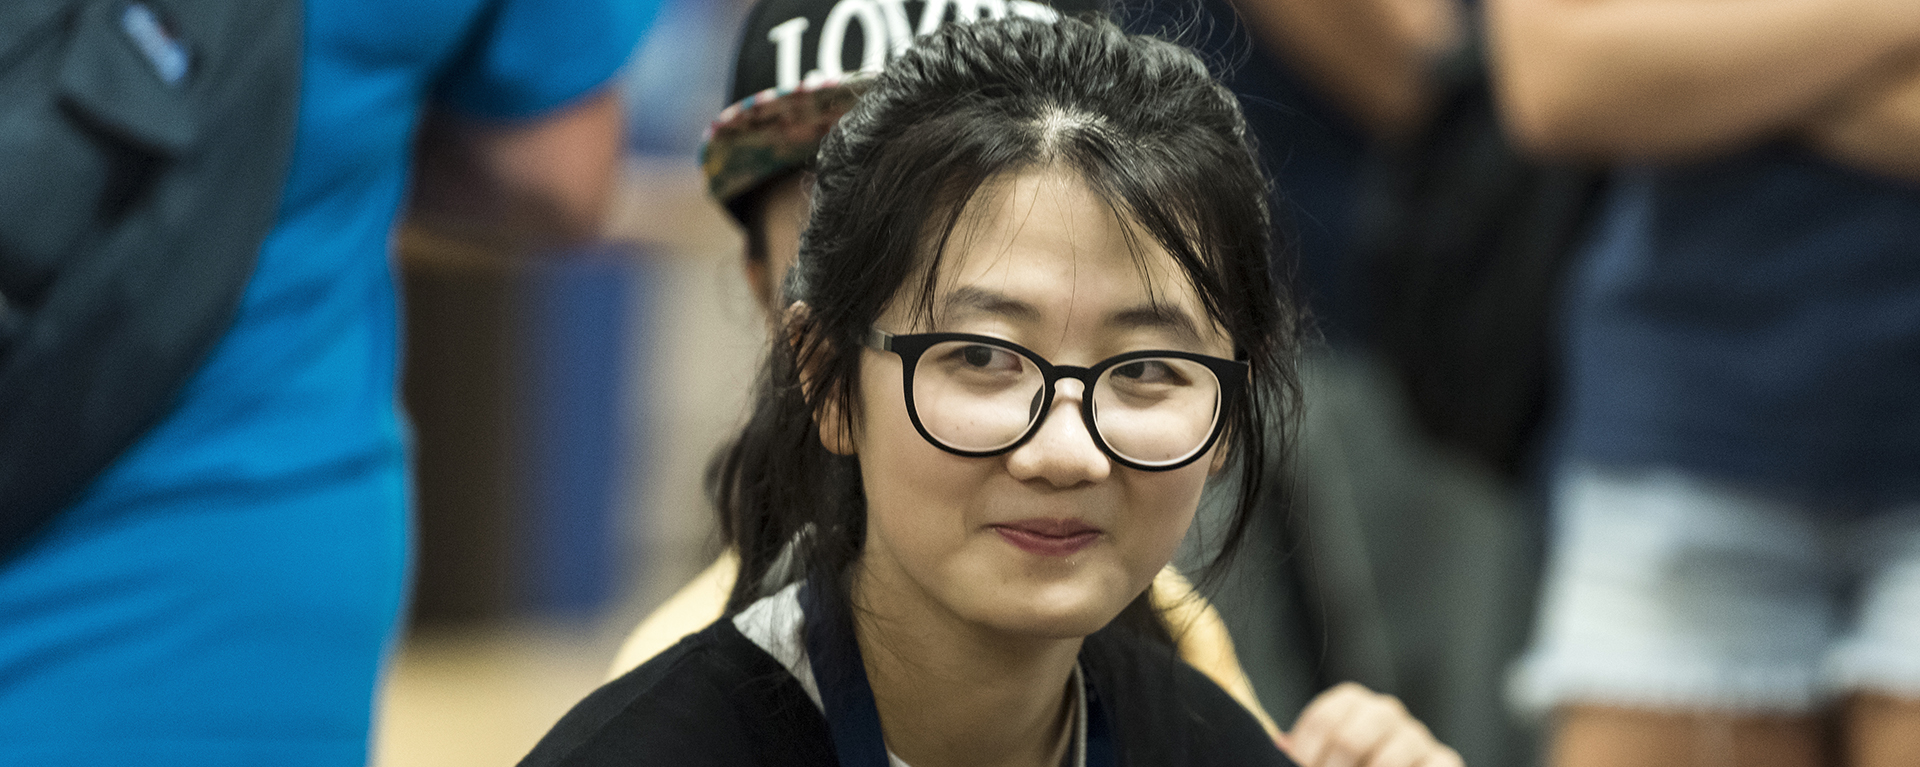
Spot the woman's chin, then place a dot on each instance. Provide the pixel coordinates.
(1057, 611)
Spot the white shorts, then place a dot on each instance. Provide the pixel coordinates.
(1667, 591)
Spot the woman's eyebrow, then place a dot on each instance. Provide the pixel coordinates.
(970, 299)
(1157, 317)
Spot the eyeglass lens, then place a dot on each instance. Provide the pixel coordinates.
(978, 397)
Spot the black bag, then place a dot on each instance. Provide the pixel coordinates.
(1464, 243)
(143, 148)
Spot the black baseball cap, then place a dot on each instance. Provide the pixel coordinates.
(786, 95)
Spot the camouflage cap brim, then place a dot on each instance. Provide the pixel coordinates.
(770, 134)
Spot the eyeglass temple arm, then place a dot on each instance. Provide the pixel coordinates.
(878, 339)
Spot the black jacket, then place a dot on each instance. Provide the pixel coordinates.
(717, 699)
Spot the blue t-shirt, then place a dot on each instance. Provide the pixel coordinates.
(1757, 320)
(225, 592)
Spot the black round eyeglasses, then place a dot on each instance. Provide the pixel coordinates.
(977, 396)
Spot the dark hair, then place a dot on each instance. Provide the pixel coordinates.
(1139, 120)
(748, 209)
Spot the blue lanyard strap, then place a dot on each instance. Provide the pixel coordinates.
(844, 691)
(847, 696)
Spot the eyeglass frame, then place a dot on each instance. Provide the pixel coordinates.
(1231, 375)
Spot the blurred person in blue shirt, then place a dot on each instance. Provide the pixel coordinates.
(225, 593)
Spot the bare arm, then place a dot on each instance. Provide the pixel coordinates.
(1880, 130)
(1371, 56)
(519, 185)
(1671, 79)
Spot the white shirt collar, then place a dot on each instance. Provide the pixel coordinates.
(775, 624)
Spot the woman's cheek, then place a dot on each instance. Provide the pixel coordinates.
(1162, 522)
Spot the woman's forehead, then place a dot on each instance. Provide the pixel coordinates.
(1038, 243)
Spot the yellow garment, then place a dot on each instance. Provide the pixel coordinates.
(1197, 629)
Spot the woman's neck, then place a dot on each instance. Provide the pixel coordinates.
(952, 693)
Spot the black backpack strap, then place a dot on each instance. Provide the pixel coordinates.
(143, 149)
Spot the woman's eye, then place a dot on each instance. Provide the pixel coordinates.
(988, 358)
(1148, 371)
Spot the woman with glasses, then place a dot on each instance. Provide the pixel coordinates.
(1032, 324)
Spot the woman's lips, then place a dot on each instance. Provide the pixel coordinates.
(1048, 537)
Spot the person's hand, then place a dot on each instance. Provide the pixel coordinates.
(1879, 130)
(1352, 726)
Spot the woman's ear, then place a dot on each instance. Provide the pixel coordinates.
(807, 353)
(833, 430)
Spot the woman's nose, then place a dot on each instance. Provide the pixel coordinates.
(1062, 452)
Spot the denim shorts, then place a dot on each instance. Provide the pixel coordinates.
(1668, 591)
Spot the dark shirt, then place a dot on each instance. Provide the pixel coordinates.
(1312, 151)
(716, 699)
